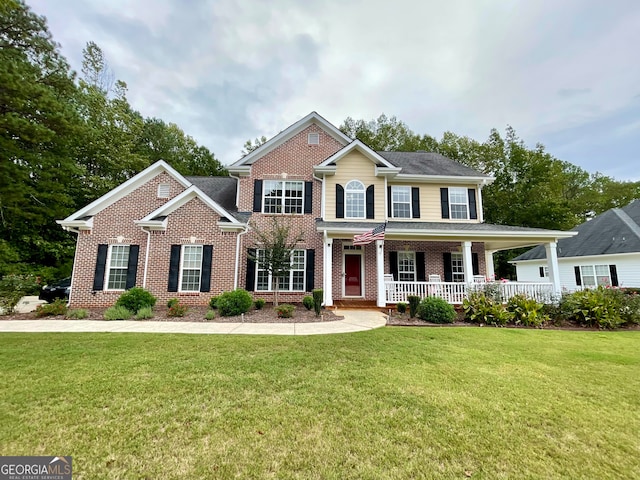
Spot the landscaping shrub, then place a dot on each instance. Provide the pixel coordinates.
(414, 301)
(177, 310)
(136, 298)
(631, 309)
(117, 312)
(172, 301)
(234, 303)
(259, 303)
(285, 310)
(436, 310)
(318, 295)
(479, 308)
(598, 307)
(210, 315)
(144, 313)
(78, 314)
(13, 288)
(213, 303)
(58, 307)
(401, 307)
(526, 311)
(308, 302)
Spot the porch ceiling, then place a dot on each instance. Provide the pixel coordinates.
(495, 237)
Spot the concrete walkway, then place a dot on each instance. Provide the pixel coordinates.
(354, 321)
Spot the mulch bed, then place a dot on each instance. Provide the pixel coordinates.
(197, 314)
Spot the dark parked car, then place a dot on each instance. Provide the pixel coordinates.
(59, 289)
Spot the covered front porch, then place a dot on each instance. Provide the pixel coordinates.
(427, 259)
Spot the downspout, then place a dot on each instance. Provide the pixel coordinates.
(480, 206)
(235, 277)
(146, 257)
(321, 180)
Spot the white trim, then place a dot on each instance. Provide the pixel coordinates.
(364, 199)
(177, 202)
(283, 197)
(123, 190)
(107, 269)
(241, 165)
(466, 203)
(181, 271)
(410, 201)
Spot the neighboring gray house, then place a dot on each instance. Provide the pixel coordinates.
(606, 251)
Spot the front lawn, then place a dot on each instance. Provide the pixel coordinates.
(389, 403)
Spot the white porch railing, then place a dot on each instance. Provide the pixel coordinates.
(455, 292)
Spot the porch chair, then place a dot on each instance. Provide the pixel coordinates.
(434, 278)
(479, 279)
(389, 287)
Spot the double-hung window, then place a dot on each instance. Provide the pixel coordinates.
(191, 268)
(457, 267)
(594, 275)
(291, 281)
(354, 199)
(401, 201)
(459, 203)
(117, 267)
(407, 266)
(283, 196)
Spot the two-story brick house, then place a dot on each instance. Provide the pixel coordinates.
(195, 237)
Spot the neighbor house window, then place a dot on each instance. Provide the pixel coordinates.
(407, 266)
(291, 281)
(459, 203)
(401, 201)
(282, 196)
(191, 268)
(117, 267)
(354, 199)
(594, 275)
(457, 268)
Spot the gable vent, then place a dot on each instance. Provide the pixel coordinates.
(164, 189)
(313, 139)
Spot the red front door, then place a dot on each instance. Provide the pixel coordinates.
(352, 279)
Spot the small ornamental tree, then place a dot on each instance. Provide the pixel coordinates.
(276, 245)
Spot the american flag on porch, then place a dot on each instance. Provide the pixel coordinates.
(369, 236)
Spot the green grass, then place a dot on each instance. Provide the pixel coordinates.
(390, 403)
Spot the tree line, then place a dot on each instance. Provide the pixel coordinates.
(65, 140)
(68, 138)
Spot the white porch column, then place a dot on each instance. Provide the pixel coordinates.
(552, 263)
(382, 297)
(327, 272)
(467, 262)
(488, 261)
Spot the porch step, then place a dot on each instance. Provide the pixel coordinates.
(354, 304)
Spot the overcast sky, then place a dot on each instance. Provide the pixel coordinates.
(565, 73)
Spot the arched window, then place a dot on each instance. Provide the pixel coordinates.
(354, 199)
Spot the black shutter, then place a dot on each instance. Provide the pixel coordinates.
(393, 265)
(257, 195)
(174, 268)
(339, 201)
(415, 202)
(132, 266)
(475, 264)
(389, 203)
(444, 202)
(311, 270)
(205, 274)
(448, 272)
(251, 270)
(578, 277)
(101, 262)
(541, 272)
(308, 197)
(614, 275)
(473, 210)
(370, 202)
(420, 267)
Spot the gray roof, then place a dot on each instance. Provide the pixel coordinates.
(428, 163)
(614, 231)
(221, 190)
